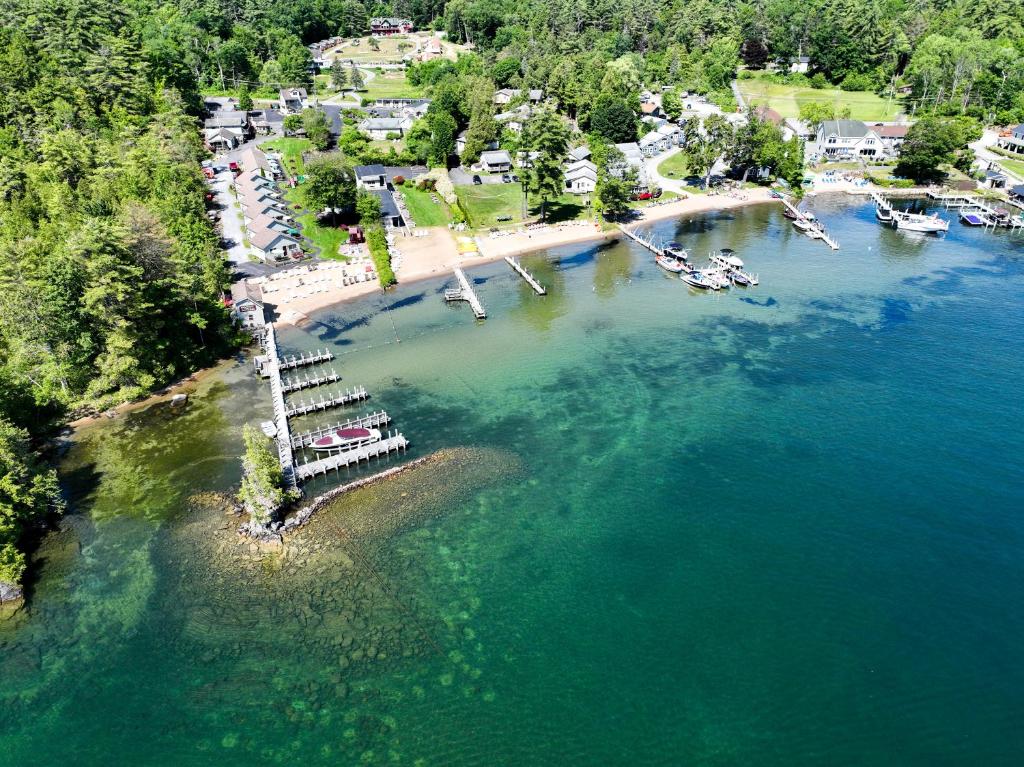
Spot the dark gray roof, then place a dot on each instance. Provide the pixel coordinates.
(1018, 191)
(362, 171)
(844, 128)
(388, 206)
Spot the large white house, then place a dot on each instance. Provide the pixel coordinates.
(380, 128)
(581, 177)
(843, 139)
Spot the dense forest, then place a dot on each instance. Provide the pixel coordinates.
(111, 280)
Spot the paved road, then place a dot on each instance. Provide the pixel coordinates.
(667, 184)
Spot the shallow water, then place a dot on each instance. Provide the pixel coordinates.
(774, 526)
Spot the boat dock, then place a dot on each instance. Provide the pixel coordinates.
(881, 202)
(518, 269)
(647, 243)
(346, 397)
(307, 438)
(800, 216)
(466, 293)
(282, 438)
(289, 385)
(269, 365)
(394, 442)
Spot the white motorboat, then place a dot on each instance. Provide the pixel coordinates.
(342, 438)
(696, 278)
(919, 222)
(670, 263)
(732, 265)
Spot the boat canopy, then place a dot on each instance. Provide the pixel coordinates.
(734, 261)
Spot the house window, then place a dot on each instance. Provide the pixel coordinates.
(832, 140)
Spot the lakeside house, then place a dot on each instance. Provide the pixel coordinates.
(1013, 140)
(254, 160)
(382, 128)
(581, 177)
(275, 246)
(847, 139)
(226, 130)
(496, 162)
(384, 26)
(632, 158)
(247, 305)
(264, 222)
(292, 100)
(892, 137)
(431, 49)
(1016, 194)
(794, 127)
(371, 177)
(389, 210)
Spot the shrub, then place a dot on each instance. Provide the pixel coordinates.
(857, 82)
(819, 82)
(377, 242)
(399, 180)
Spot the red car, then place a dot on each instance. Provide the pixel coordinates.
(233, 167)
(644, 196)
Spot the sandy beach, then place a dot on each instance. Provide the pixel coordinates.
(434, 252)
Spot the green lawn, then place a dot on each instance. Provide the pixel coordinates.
(291, 149)
(390, 85)
(786, 99)
(1014, 166)
(665, 195)
(674, 166)
(327, 238)
(388, 49)
(485, 203)
(424, 211)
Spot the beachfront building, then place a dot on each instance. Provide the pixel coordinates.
(389, 212)
(496, 162)
(847, 139)
(892, 137)
(371, 177)
(632, 158)
(581, 177)
(1012, 140)
(384, 26)
(273, 246)
(381, 128)
(247, 306)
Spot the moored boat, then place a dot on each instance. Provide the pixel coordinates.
(919, 222)
(696, 278)
(883, 214)
(341, 438)
(670, 264)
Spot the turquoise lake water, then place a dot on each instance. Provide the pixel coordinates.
(775, 526)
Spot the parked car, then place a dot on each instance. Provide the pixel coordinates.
(506, 178)
(477, 180)
(644, 196)
(515, 178)
(233, 167)
(656, 193)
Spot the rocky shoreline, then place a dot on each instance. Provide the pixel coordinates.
(275, 531)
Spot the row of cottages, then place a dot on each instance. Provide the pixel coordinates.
(381, 128)
(292, 100)
(514, 119)
(851, 139)
(269, 226)
(383, 26)
(508, 95)
(632, 157)
(661, 139)
(1012, 140)
(227, 130)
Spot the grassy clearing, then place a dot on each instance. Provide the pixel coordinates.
(390, 49)
(486, 203)
(327, 238)
(390, 85)
(291, 150)
(674, 166)
(424, 211)
(786, 99)
(1014, 166)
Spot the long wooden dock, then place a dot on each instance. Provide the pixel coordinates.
(282, 438)
(518, 269)
(393, 443)
(371, 421)
(647, 243)
(338, 399)
(297, 384)
(306, 358)
(466, 293)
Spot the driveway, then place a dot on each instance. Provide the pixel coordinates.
(983, 153)
(667, 184)
(463, 177)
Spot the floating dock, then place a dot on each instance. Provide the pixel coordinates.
(347, 397)
(647, 243)
(392, 443)
(466, 293)
(307, 358)
(372, 421)
(518, 269)
(297, 384)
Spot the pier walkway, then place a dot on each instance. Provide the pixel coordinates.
(297, 384)
(647, 243)
(518, 269)
(338, 399)
(310, 358)
(283, 438)
(394, 442)
(307, 438)
(822, 235)
(466, 293)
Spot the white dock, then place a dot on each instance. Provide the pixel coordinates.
(881, 202)
(289, 385)
(346, 397)
(306, 358)
(466, 293)
(647, 243)
(824, 236)
(371, 421)
(518, 269)
(282, 438)
(394, 442)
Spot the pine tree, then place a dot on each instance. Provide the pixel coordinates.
(545, 134)
(356, 78)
